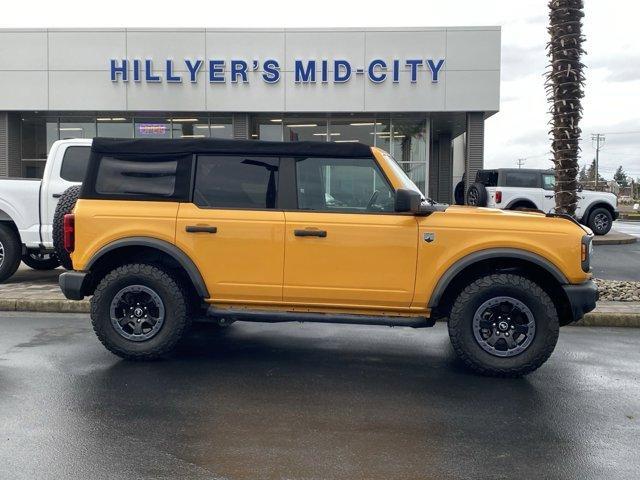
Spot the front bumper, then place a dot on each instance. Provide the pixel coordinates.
(582, 298)
(74, 285)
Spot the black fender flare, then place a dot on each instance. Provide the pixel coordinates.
(518, 200)
(481, 255)
(177, 254)
(587, 211)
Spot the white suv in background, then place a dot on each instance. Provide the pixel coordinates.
(529, 189)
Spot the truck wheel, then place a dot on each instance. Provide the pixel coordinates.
(503, 325)
(10, 252)
(139, 312)
(65, 205)
(600, 221)
(40, 260)
(477, 195)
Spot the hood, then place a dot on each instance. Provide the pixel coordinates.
(604, 196)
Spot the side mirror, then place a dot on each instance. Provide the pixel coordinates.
(408, 201)
(579, 189)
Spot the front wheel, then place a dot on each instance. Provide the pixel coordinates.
(503, 325)
(600, 221)
(139, 312)
(40, 260)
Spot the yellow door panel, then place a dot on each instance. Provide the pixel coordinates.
(364, 260)
(243, 259)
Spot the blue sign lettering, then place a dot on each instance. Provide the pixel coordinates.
(304, 71)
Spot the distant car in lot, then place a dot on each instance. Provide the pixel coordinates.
(28, 206)
(533, 189)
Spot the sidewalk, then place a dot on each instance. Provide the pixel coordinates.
(32, 291)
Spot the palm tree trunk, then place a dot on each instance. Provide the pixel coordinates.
(564, 86)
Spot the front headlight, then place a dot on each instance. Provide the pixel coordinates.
(586, 249)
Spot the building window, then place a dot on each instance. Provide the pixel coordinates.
(409, 138)
(310, 129)
(38, 134)
(221, 127)
(152, 128)
(116, 126)
(267, 127)
(77, 127)
(352, 129)
(189, 126)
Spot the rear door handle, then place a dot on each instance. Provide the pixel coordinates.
(310, 233)
(200, 229)
(56, 195)
(548, 196)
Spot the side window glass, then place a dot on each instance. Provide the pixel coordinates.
(342, 184)
(548, 182)
(522, 179)
(74, 163)
(126, 177)
(236, 181)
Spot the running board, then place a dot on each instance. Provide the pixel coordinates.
(269, 316)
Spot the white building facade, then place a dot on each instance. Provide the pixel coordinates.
(420, 93)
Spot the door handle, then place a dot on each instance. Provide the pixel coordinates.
(200, 229)
(548, 196)
(310, 233)
(56, 195)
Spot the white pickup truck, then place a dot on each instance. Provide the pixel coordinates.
(523, 189)
(27, 208)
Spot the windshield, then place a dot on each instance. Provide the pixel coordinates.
(401, 174)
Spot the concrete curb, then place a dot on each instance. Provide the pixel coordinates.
(593, 319)
(614, 238)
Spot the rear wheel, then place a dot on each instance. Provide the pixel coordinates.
(40, 260)
(10, 252)
(139, 312)
(503, 325)
(600, 221)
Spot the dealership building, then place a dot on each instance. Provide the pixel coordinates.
(422, 94)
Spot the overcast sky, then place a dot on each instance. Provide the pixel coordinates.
(519, 130)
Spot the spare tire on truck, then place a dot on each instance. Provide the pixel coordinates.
(65, 205)
(477, 195)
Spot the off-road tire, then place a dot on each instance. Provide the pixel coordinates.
(40, 263)
(65, 205)
(522, 289)
(173, 296)
(11, 252)
(596, 226)
(477, 195)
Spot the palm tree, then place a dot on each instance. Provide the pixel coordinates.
(564, 86)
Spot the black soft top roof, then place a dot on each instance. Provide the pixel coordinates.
(115, 146)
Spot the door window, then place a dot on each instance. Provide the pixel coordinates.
(341, 184)
(236, 181)
(548, 181)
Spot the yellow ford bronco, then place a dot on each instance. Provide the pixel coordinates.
(166, 231)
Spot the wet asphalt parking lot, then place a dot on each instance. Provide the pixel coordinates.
(311, 402)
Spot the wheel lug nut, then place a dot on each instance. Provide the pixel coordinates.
(507, 334)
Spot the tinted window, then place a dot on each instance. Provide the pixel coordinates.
(74, 163)
(522, 179)
(236, 182)
(548, 181)
(339, 184)
(489, 178)
(143, 177)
